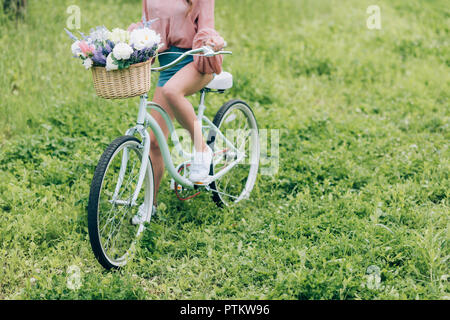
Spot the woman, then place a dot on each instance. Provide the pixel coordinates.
(183, 24)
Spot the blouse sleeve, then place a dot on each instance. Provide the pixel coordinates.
(206, 31)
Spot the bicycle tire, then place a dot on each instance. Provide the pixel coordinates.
(217, 196)
(94, 199)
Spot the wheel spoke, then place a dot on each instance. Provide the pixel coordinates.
(238, 125)
(108, 218)
(115, 232)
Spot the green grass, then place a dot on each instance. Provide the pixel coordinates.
(364, 161)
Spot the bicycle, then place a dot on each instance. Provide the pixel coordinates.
(123, 185)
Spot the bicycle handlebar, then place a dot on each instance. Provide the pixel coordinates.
(206, 50)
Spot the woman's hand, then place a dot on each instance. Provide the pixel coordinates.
(135, 26)
(217, 43)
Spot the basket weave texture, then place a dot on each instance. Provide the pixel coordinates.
(126, 83)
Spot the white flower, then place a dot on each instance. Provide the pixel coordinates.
(110, 65)
(87, 63)
(144, 38)
(76, 49)
(100, 34)
(119, 35)
(122, 51)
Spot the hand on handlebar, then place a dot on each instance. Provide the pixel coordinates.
(216, 43)
(203, 51)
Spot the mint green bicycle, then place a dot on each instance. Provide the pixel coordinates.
(123, 184)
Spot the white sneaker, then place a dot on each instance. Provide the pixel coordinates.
(200, 166)
(140, 216)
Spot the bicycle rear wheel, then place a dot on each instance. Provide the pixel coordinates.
(237, 123)
(110, 211)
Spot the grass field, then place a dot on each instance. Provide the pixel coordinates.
(359, 208)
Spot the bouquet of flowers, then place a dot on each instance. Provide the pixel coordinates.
(117, 49)
(120, 60)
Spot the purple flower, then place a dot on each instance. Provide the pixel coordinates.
(108, 47)
(71, 35)
(85, 37)
(99, 58)
(135, 55)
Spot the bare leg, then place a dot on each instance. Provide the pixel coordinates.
(184, 83)
(172, 98)
(155, 152)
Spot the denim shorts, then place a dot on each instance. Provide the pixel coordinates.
(165, 59)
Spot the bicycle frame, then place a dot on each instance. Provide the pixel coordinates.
(145, 120)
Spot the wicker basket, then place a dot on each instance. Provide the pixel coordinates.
(126, 83)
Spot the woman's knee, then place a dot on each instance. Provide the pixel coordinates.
(171, 92)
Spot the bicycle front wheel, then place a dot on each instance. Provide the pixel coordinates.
(112, 230)
(237, 125)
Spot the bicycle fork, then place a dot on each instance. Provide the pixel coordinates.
(125, 157)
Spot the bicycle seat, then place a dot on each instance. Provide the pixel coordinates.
(221, 81)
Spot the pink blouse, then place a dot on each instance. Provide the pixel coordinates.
(185, 31)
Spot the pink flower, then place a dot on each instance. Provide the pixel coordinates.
(86, 48)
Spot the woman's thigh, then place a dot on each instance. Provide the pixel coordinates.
(187, 81)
